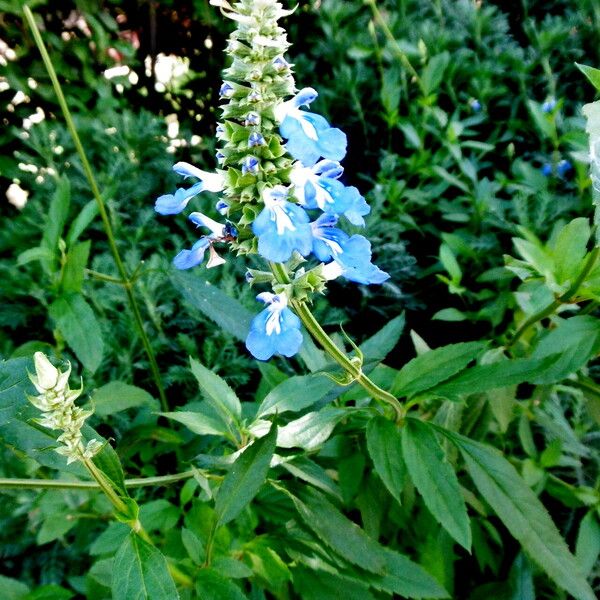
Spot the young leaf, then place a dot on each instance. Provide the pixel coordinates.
(338, 532)
(245, 477)
(294, 394)
(435, 366)
(311, 430)
(314, 584)
(77, 259)
(591, 73)
(140, 572)
(198, 422)
(217, 392)
(78, 324)
(57, 216)
(435, 479)
(522, 513)
(379, 345)
(384, 444)
(81, 221)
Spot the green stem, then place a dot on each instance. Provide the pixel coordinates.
(390, 36)
(355, 370)
(57, 484)
(564, 299)
(101, 206)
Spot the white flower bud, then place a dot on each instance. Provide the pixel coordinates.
(46, 374)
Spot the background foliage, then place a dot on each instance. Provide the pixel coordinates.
(443, 104)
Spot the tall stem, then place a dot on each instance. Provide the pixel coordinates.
(101, 206)
(57, 484)
(563, 299)
(319, 334)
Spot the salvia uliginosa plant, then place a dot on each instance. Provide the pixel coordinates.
(279, 173)
(283, 202)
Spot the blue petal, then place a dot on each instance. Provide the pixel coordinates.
(356, 262)
(287, 342)
(187, 259)
(276, 246)
(172, 204)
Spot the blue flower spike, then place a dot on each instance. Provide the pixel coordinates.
(309, 136)
(318, 187)
(281, 227)
(275, 330)
(172, 204)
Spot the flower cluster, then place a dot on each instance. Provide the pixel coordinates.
(57, 403)
(280, 179)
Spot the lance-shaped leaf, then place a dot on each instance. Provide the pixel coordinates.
(522, 513)
(245, 478)
(435, 479)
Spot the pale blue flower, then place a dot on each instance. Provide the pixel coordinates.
(252, 119)
(280, 64)
(318, 187)
(475, 105)
(251, 165)
(226, 90)
(281, 227)
(350, 256)
(219, 232)
(256, 139)
(309, 136)
(275, 330)
(563, 167)
(172, 204)
(549, 105)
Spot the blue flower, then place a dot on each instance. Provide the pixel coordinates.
(546, 169)
(187, 259)
(280, 64)
(563, 167)
(275, 330)
(350, 256)
(250, 165)
(318, 187)
(252, 119)
(281, 227)
(172, 204)
(309, 135)
(475, 105)
(256, 139)
(226, 90)
(549, 105)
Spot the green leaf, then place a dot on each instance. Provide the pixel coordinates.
(431, 368)
(117, 396)
(574, 341)
(11, 589)
(225, 311)
(521, 579)
(570, 248)
(77, 259)
(384, 444)
(450, 263)
(338, 532)
(378, 346)
(14, 386)
(310, 430)
(591, 73)
(198, 422)
(587, 548)
(78, 324)
(81, 221)
(433, 74)
(140, 572)
(482, 378)
(435, 479)
(55, 222)
(541, 119)
(212, 585)
(217, 392)
(245, 478)
(33, 254)
(522, 513)
(107, 461)
(313, 584)
(50, 592)
(295, 394)
(406, 578)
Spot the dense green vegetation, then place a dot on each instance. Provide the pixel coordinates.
(467, 137)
